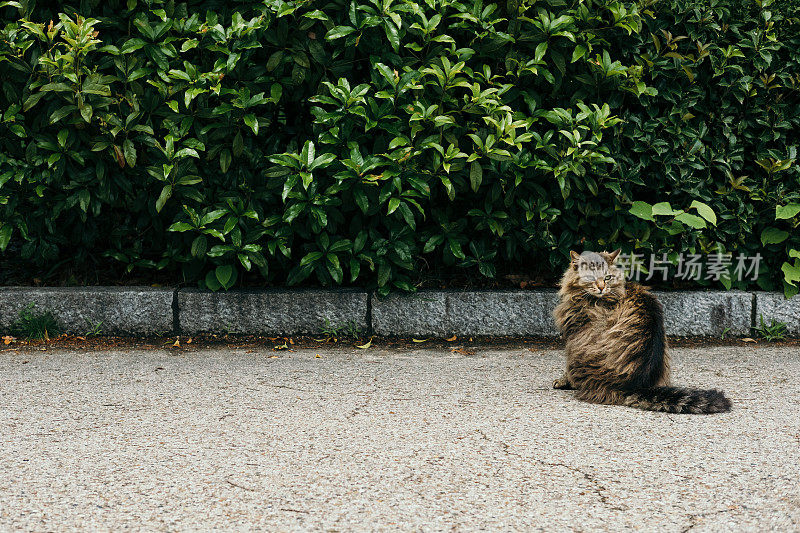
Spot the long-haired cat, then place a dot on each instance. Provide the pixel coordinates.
(615, 342)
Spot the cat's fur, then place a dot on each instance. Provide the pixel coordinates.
(615, 342)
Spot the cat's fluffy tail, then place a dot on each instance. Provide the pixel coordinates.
(677, 400)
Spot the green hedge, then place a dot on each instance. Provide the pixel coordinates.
(385, 142)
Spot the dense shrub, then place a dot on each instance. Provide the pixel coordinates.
(377, 142)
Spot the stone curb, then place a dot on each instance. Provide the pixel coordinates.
(516, 313)
(271, 312)
(78, 310)
(446, 313)
(693, 313)
(773, 305)
(151, 311)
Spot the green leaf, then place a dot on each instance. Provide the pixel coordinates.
(62, 137)
(298, 274)
(559, 61)
(335, 270)
(448, 185)
(475, 175)
(392, 35)
(322, 161)
(215, 233)
(225, 160)
(199, 246)
(62, 112)
(340, 246)
(579, 52)
(274, 60)
(791, 273)
(189, 44)
(455, 249)
(790, 291)
(384, 273)
(355, 269)
(301, 59)
(215, 215)
(5, 235)
(275, 92)
(211, 282)
(361, 200)
(773, 236)
(308, 154)
(338, 32)
(642, 210)
(180, 227)
(783, 212)
(690, 220)
(131, 45)
(540, 50)
(311, 257)
(165, 195)
(83, 199)
(32, 100)
(238, 144)
(86, 112)
(130, 152)
(226, 276)
(252, 121)
(663, 208)
(704, 211)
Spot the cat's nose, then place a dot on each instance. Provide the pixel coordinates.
(601, 284)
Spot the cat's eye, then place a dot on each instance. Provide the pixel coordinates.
(609, 277)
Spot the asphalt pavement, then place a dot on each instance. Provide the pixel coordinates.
(381, 440)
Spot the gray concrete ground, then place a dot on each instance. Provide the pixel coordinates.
(387, 440)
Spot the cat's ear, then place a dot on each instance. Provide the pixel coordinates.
(574, 256)
(612, 256)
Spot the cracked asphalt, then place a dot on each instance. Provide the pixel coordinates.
(352, 440)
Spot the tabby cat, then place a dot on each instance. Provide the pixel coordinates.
(615, 342)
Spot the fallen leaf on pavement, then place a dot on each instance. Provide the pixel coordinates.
(8, 339)
(283, 346)
(420, 340)
(451, 339)
(177, 343)
(367, 345)
(748, 339)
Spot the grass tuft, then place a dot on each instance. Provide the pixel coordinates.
(33, 325)
(774, 331)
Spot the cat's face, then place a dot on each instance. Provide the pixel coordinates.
(598, 275)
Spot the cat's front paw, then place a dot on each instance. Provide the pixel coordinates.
(562, 383)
